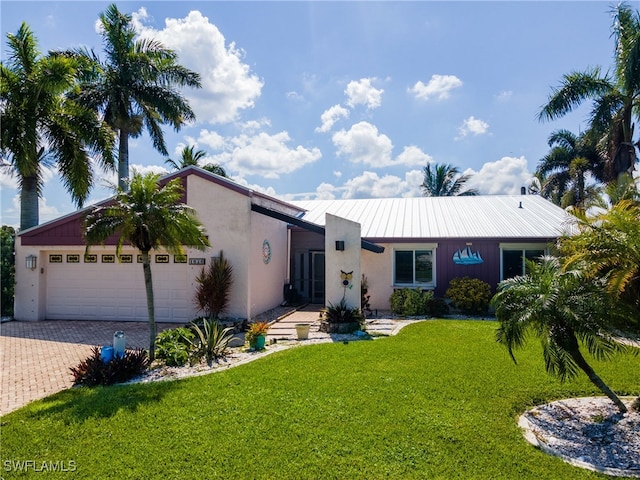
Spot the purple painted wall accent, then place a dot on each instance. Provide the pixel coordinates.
(446, 269)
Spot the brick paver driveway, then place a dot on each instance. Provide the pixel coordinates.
(36, 356)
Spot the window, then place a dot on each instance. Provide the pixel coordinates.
(414, 266)
(513, 258)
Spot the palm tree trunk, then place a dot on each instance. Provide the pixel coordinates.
(148, 283)
(123, 160)
(29, 216)
(595, 379)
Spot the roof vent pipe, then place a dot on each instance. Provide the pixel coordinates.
(520, 206)
(523, 190)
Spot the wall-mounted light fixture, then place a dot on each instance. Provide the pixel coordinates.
(32, 262)
(340, 245)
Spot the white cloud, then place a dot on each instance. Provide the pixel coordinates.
(439, 86)
(337, 173)
(264, 154)
(330, 116)
(472, 126)
(412, 155)
(46, 212)
(211, 139)
(362, 92)
(7, 180)
(502, 177)
(370, 185)
(258, 188)
(362, 143)
(504, 96)
(228, 86)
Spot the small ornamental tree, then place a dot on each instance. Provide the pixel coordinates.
(564, 310)
(147, 216)
(214, 287)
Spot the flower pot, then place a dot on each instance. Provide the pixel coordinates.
(302, 329)
(260, 342)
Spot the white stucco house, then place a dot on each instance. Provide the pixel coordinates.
(277, 247)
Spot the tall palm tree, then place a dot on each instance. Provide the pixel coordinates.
(148, 217)
(615, 97)
(566, 168)
(444, 180)
(137, 85)
(190, 157)
(41, 127)
(562, 309)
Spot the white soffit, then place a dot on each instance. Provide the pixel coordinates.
(482, 216)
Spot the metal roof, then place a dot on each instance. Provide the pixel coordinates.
(482, 216)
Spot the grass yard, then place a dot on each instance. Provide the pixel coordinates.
(438, 401)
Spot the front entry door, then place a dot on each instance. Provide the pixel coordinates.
(317, 277)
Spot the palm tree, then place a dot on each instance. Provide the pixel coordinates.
(147, 216)
(607, 246)
(565, 169)
(135, 86)
(560, 308)
(444, 180)
(616, 98)
(41, 127)
(189, 157)
(215, 168)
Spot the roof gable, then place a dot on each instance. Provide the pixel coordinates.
(67, 230)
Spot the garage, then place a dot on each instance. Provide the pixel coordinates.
(101, 288)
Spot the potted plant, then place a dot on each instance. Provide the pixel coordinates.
(257, 335)
(341, 318)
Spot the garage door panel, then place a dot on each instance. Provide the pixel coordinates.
(117, 292)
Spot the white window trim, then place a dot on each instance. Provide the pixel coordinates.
(520, 247)
(413, 246)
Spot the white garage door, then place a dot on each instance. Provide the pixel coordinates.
(116, 291)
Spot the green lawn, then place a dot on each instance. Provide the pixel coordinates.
(439, 400)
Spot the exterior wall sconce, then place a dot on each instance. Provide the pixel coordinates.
(340, 245)
(31, 262)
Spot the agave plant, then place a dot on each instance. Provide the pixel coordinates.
(212, 339)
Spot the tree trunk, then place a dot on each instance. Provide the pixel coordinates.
(123, 160)
(595, 379)
(148, 283)
(29, 215)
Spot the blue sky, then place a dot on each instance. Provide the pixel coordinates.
(306, 100)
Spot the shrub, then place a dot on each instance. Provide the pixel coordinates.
(364, 295)
(397, 300)
(214, 287)
(174, 346)
(212, 340)
(416, 301)
(410, 302)
(93, 371)
(471, 295)
(437, 307)
(7, 269)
